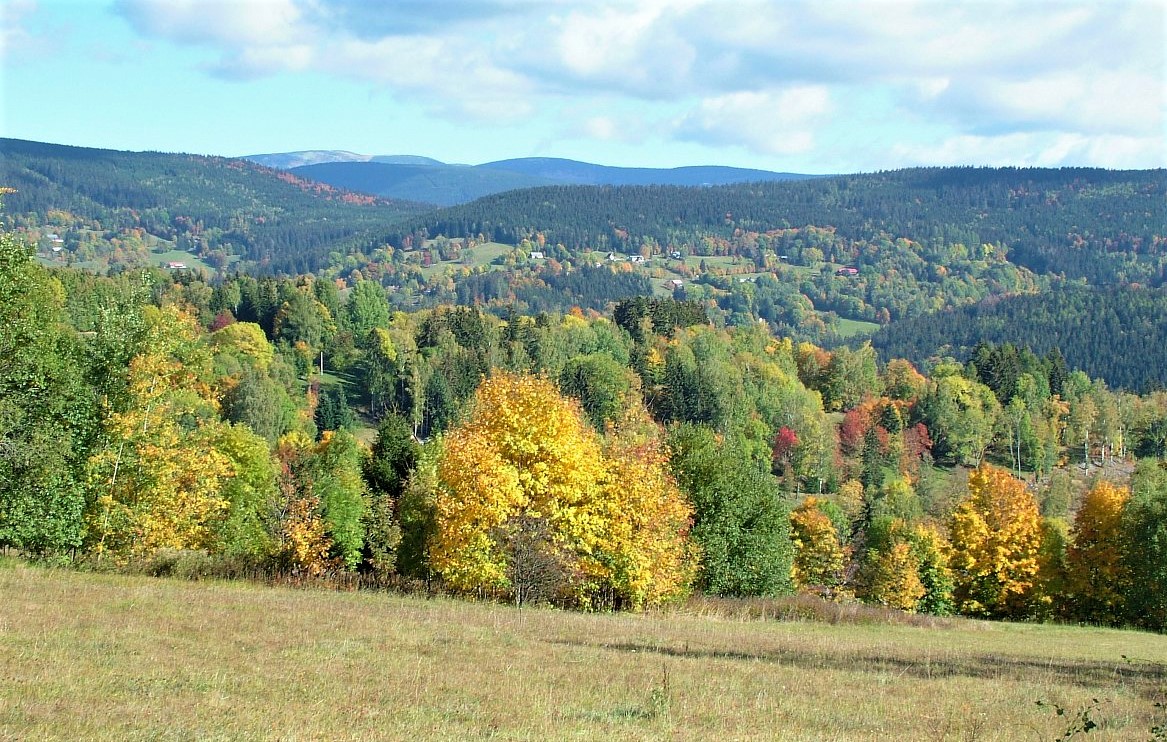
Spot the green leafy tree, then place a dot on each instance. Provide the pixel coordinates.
(47, 410)
(601, 385)
(960, 415)
(1144, 526)
(340, 488)
(417, 513)
(930, 550)
(250, 493)
(304, 319)
(367, 309)
(387, 469)
(332, 409)
(739, 520)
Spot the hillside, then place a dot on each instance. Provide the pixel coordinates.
(1114, 334)
(126, 206)
(104, 657)
(444, 185)
(432, 182)
(1102, 225)
(821, 259)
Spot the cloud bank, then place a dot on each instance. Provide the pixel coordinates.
(925, 82)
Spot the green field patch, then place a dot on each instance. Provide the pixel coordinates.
(852, 327)
(480, 255)
(192, 262)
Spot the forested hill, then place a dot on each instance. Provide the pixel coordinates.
(443, 185)
(215, 208)
(1110, 333)
(447, 185)
(1102, 225)
(573, 172)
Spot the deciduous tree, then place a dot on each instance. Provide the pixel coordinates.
(996, 534)
(1096, 574)
(524, 454)
(818, 555)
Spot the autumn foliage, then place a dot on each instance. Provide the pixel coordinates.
(996, 535)
(818, 555)
(1096, 575)
(156, 483)
(612, 520)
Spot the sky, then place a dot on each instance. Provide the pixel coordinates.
(821, 86)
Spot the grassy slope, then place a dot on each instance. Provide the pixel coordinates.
(111, 657)
(851, 327)
(483, 254)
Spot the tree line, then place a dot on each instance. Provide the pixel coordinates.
(586, 458)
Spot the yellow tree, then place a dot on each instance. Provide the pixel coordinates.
(522, 474)
(646, 546)
(996, 536)
(896, 564)
(893, 578)
(818, 556)
(529, 502)
(1096, 573)
(158, 481)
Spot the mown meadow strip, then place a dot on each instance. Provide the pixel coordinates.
(96, 656)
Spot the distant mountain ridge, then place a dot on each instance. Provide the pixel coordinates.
(442, 185)
(430, 181)
(289, 160)
(573, 172)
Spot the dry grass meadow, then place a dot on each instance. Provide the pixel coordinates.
(109, 657)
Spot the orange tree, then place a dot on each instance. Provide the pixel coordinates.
(996, 535)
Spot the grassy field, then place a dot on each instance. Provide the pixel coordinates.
(106, 657)
(851, 327)
(180, 256)
(482, 254)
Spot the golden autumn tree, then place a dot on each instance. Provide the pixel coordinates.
(893, 569)
(646, 547)
(302, 542)
(892, 578)
(996, 536)
(1096, 574)
(525, 467)
(158, 480)
(818, 555)
(528, 502)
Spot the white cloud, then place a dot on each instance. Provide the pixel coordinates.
(773, 122)
(16, 39)
(631, 48)
(1035, 150)
(229, 23)
(764, 72)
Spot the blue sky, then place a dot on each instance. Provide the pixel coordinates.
(815, 87)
